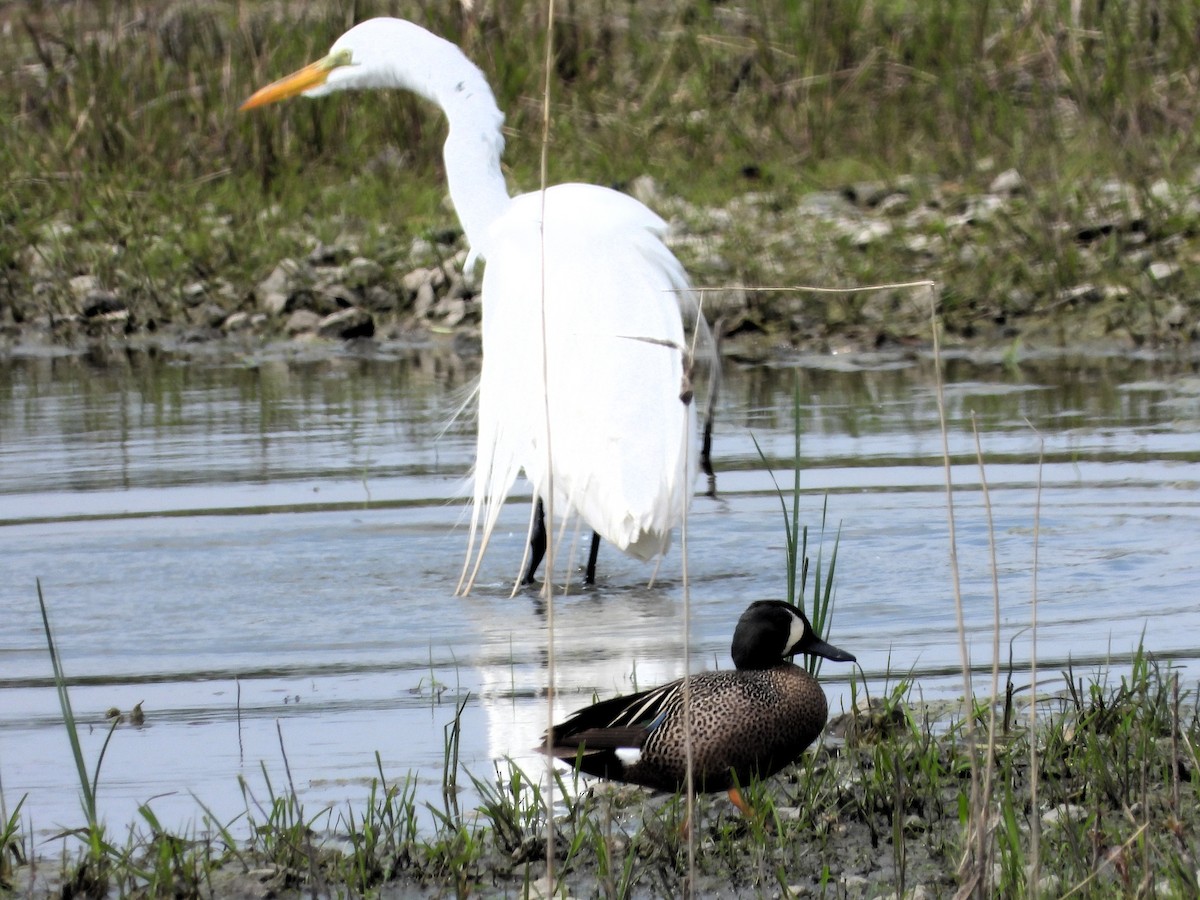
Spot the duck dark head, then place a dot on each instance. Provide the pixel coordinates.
(769, 631)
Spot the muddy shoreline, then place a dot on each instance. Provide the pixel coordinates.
(334, 294)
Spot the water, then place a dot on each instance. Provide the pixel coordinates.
(262, 551)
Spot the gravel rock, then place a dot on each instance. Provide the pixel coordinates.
(346, 324)
(82, 285)
(275, 291)
(1162, 271)
(301, 320)
(104, 305)
(361, 273)
(1009, 183)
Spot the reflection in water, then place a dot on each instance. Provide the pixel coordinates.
(264, 551)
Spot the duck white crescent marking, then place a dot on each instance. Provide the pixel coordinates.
(629, 756)
(796, 634)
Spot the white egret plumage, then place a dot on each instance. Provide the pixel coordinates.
(584, 347)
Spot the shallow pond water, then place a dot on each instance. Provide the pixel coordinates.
(263, 550)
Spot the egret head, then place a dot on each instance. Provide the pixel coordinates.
(372, 54)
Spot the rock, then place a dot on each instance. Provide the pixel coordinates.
(414, 280)
(867, 193)
(381, 299)
(277, 288)
(361, 273)
(977, 209)
(870, 233)
(420, 248)
(194, 293)
(35, 260)
(209, 315)
(329, 254)
(331, 297)
(854, 883)
(893, 204)
(823, 204)
(1081, 293)
(451, 310)
(236, 322)
(104, 305)
(301, 320)
(1176, 316)
(346, 324)
(1162, 271)
(1008, 183)
(456, 287)
(919, 244)
(424, 300)
(82, 285)
(1067, 812)
(645, 189)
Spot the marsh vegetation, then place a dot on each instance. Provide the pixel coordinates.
(1036, 160)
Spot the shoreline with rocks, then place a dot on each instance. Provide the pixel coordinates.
(1140, 294)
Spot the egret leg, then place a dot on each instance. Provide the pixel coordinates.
(537, 543)
(590, 577)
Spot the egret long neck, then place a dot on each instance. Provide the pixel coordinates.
(472, 155)
(474, 144)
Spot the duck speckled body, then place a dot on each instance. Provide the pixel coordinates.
(748, 723)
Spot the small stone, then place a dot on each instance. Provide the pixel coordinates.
(347, 324)
(236, 321)
(893, 203)
(361, 272)
(328, 254)
(856, 883)
(275, 290)
(332, 297)
(1067, 812)
(380, 299)
(194, 293)
(301, 320)
(1162, 271)
(978, 209)
(918, 243)
(209, 315)
(104, 305)
(1176, 315)
(414, 280)
(644, 189)
(452, 311)
(82, 285)
(867, 193)
(456, 287)
(425, 300)
(1009, 183)
(870, 233)
(1081, 293)
(420, 248)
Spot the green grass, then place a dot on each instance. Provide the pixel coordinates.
(125, 159)
(889, 808)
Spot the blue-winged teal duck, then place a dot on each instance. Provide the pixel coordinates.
(748, 723)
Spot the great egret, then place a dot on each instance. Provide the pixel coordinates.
(584, 354)
(744, 724)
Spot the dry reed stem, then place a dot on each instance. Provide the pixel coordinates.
(548, 588)
(969, 867)
(1035, 826)
(984, 846)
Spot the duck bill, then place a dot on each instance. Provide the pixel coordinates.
(818, 647)
(310, 76)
